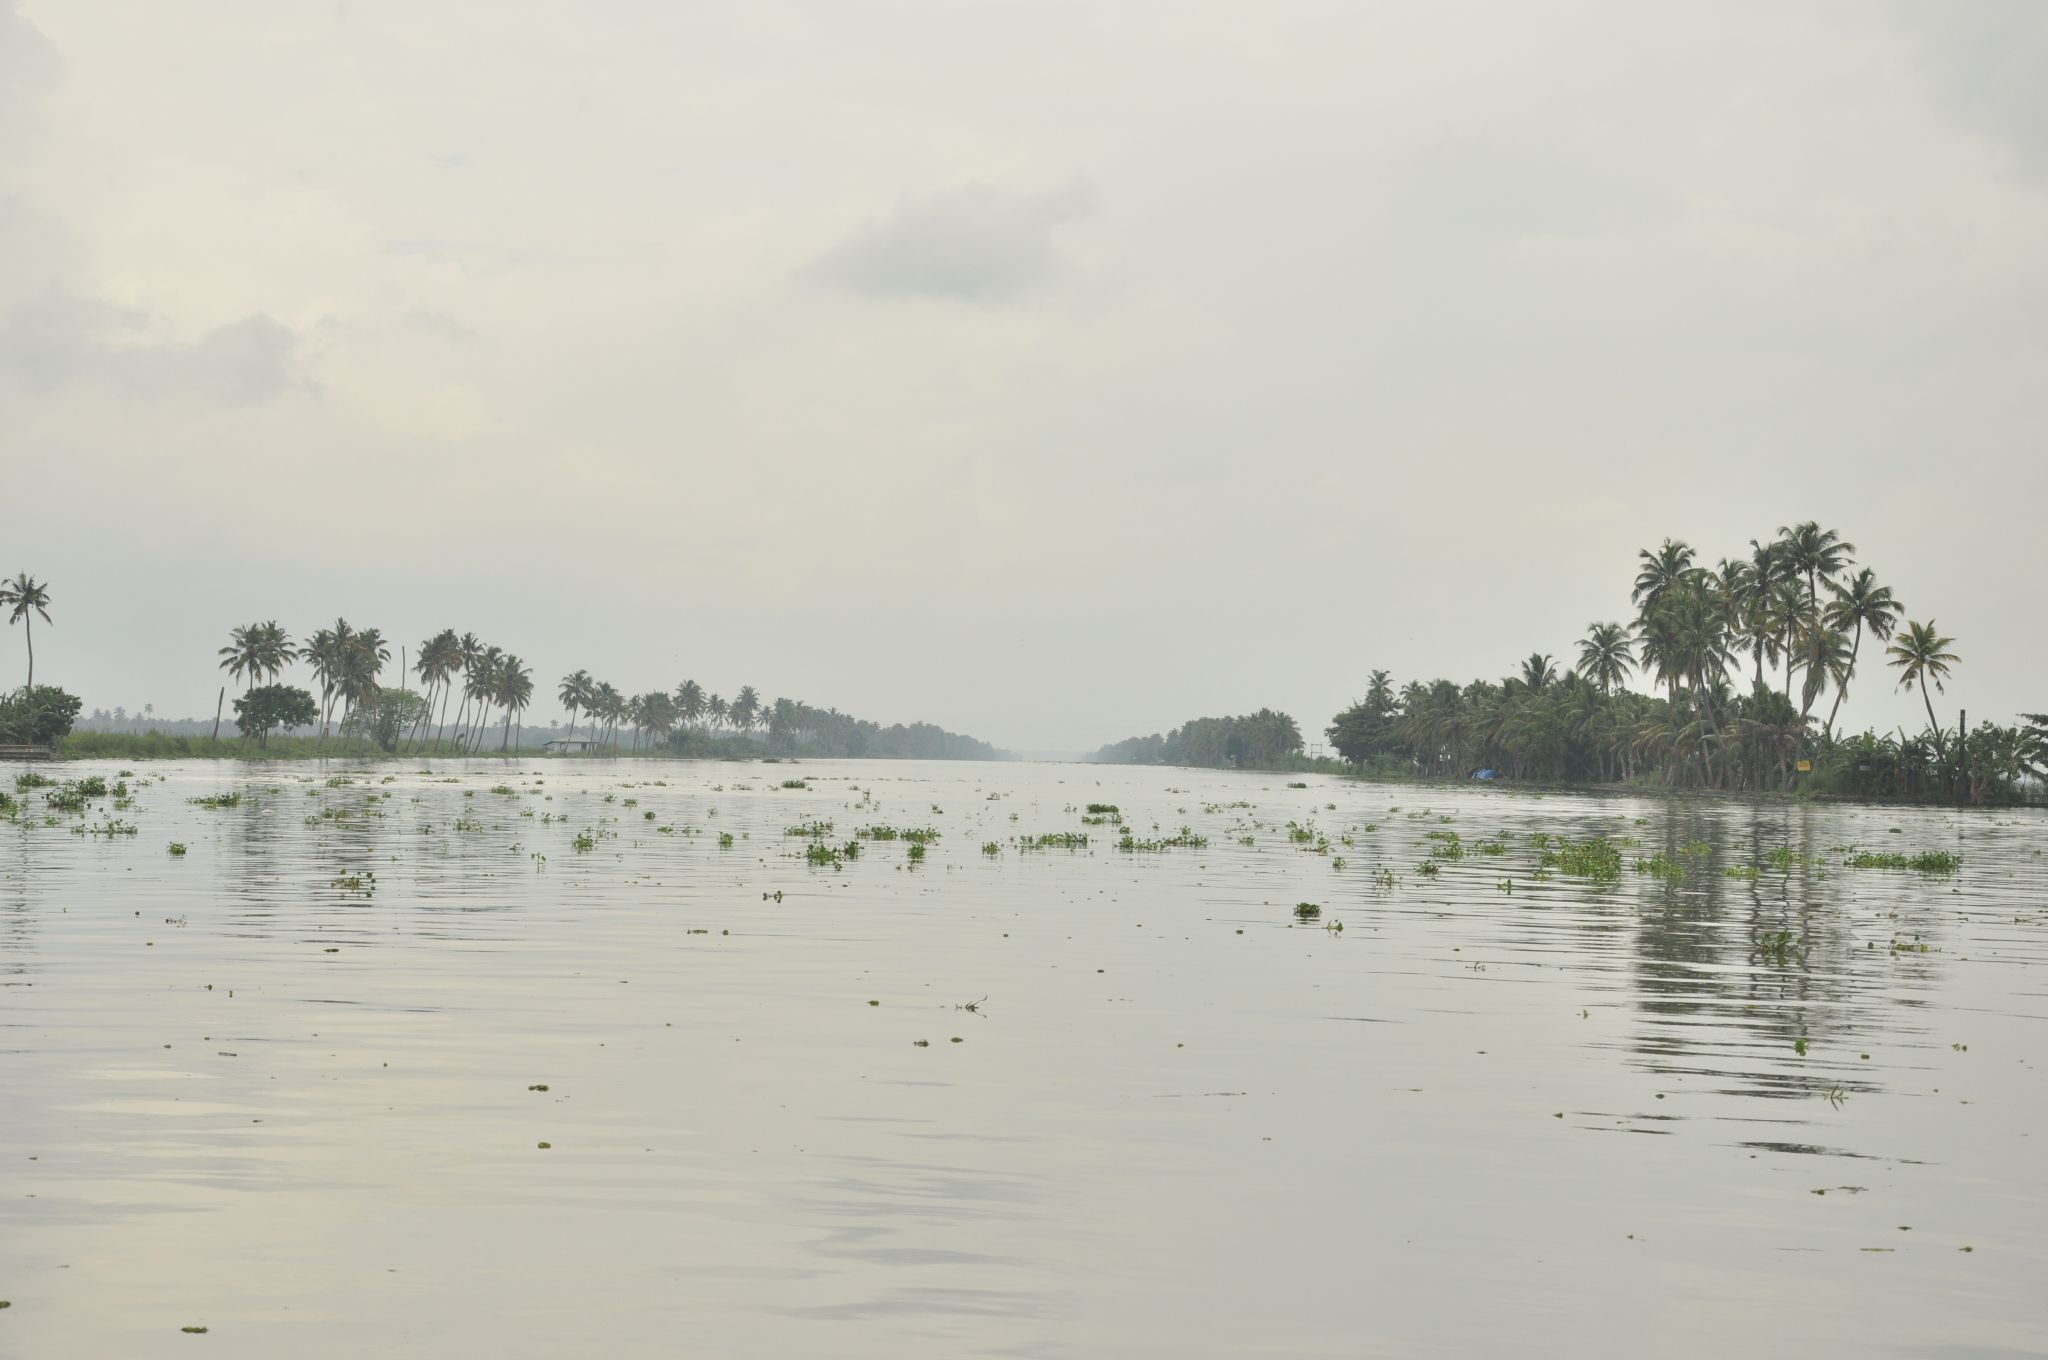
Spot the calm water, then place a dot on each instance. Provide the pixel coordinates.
(1497, 1113)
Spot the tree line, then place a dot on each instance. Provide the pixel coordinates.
(1263, 740)
(1791, 617)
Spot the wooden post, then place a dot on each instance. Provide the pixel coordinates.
(216, 711)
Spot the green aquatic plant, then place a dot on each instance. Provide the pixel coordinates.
(1054, 840)
(1595, 859)
(1926, 861)
(725, 840)
(177, 847)
(816, 831)
(1186, 840)
(991, 848)
(583, 842)
(917, 852)
(1742, 871)
(1662, 867)
(217, 800)
(1103, 810)
(1307, 911)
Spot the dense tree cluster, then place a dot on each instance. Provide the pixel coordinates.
(1794, 613)
(1263, 740)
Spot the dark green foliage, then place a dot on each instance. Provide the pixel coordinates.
(1263, 740)
(267, 708)
(36, 717)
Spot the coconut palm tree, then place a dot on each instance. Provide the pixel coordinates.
(608, 704)
(327, 652)
(1607, 655)
(719, 710)
(469, 650)
(482, 679)
(361, 665)
(690, 701)
(1859, 603)
(25, 597)
(575, 693)
(243, 656)
(1538, 671)
(746, 708)
(1923, 658)
(1661, 570)
(512, 688)
(440, 657)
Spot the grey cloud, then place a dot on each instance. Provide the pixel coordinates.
(975, 243)
(64, 338)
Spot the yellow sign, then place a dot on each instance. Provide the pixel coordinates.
(1806, 767)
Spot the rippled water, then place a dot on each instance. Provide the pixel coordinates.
(1497, 1113)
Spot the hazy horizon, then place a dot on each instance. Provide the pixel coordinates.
(1051, 373)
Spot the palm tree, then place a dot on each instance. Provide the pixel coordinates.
(483, 680)
(1661, 570)
(1816, 554)
(28, 597)
(1538, 671)
(574, 692)
(606, 703)
(469, 650)
(361, 664)
(1860, 603)
(745, 708)
(243, 656)
(512, 687)
(1923, 658)
(718, 709)
(327, 652)
(440, 658)
(690, 701)
(1607, 655)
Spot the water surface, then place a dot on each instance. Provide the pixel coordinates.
(281, 1086)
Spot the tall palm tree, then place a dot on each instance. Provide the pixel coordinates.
(482, 679)
(361, 665)
(1607, 655)
(690, 701)
(745, 708)
(1859, 603)
(607, 703)
(574, 692)
(1923, 658)
(513, 689)
(242, 658)
(469, 650)
(1661, 570)
(25, 596)
(327, 652)
(719, 710)
(1817, 555)
(1538, 671)
(440, 658)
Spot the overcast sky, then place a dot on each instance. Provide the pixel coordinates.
(1053, 372)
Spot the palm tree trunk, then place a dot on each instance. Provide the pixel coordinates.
(505, 742)
(1840, 690)
(28, 631)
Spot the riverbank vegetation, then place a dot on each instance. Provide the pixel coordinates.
(1792, 618)
(1264, 740)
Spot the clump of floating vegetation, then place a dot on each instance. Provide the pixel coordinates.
(816, 831)
(1447, 846)
(1926, 862)
(177, 847)
(1186, 840)
(1595, 858)
(991, 847)
(1054, 840)
(1661, 866)
(1103, 810)
(794, 784)
(584, 842)
(725, 840)
(917, 852)
(1307, 911)
(217, 800)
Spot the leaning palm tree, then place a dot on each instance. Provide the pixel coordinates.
(1858, 604)
(1923, 658)
(1606, 655)
(242, 658)
(25, 596)
(483, 680)
(608, 704)
(327, 652)
(440, 657)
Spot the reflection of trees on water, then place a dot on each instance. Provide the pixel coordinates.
(1733, 972)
